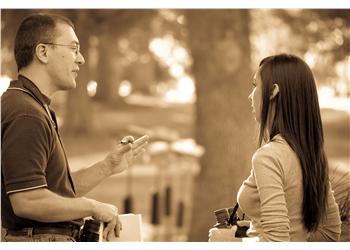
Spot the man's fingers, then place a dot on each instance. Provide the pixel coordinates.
(108, 232)
(140, 146)
(117, 229)
(137, 152)
(105, 232)
(140, 153)
(127, 139)
(123, 148)
(136, 145)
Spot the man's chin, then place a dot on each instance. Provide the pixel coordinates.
(73, 84)
(69, 86)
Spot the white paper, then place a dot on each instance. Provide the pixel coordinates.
(131, 228)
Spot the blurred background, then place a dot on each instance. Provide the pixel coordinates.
(183, 77)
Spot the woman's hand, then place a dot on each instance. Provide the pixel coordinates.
(228, 234)
(223, 235)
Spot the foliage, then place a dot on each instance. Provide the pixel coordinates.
(324, 34)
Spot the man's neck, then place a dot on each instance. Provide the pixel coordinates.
(41, 80)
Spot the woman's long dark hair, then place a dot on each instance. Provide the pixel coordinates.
(298, 120)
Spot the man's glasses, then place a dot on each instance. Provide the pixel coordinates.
(74, 47)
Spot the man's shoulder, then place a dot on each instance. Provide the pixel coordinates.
(16, 103)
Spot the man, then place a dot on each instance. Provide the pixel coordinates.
(40, 199)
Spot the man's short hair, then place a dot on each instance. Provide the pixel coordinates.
(35, 29)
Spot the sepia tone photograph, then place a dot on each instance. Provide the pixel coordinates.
(175, 125)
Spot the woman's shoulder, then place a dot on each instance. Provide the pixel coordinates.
(276, 152)
(274, 148)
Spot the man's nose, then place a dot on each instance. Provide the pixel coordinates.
(80, 59)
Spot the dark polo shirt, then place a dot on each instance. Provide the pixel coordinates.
(32, 155)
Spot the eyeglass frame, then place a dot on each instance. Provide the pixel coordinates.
(76, 46)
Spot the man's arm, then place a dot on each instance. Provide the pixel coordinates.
(115, 162)
(45, 206)
(87, 178)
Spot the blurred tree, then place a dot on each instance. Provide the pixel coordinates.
(10, 20)
(78, 115)
(112, 32)
(316, 26)
(224, 126)
(322, 33)
(141, 69)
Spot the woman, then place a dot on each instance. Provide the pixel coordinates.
(287, 195)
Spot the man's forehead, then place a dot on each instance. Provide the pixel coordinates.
(65, 33)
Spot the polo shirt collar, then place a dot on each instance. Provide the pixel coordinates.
(29, 85)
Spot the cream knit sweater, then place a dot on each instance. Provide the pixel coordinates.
(272, 198)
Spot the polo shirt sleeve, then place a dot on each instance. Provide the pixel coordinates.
(25, 153)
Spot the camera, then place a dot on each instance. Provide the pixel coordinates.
(90, 231)
(227, 217)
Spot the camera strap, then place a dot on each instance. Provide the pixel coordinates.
(234, 217)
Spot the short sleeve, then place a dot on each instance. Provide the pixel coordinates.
(25, 152)
(268, 174)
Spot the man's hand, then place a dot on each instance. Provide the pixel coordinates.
(108, 214)
(122, 156)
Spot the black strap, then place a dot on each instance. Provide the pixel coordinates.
(233, 215)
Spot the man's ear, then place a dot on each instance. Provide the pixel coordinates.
(41, 53)
(275, 91)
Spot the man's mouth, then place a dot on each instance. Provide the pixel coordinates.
(75, 71)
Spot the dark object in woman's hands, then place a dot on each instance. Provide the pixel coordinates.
(227, 217)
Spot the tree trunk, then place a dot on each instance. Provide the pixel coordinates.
(78, 114)
(111, 65)
(219, 43)
(109, 68)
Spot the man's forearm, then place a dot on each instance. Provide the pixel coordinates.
(87, 178)
(45, 206)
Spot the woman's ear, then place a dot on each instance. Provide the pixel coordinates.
(275, 91)
(41, 53)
